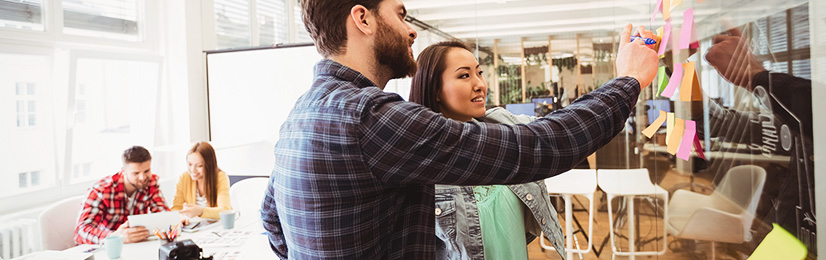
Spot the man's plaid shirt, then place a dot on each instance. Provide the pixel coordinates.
(105, 208)
(355, 167)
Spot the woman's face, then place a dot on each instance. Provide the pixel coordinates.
(195, 166)
(464, 90)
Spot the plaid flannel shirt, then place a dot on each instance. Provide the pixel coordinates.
(355, 167)
(105, 208)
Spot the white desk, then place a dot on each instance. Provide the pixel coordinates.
(256, 246)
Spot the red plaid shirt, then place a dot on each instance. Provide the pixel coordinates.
(105, 208)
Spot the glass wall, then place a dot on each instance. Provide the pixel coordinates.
(734, 75)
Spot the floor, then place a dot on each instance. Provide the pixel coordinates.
(650, 226)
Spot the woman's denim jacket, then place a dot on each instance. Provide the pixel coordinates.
(457, 218)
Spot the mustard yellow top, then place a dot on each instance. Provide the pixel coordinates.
(186, 193)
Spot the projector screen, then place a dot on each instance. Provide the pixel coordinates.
(250, 94)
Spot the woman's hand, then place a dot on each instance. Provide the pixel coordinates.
(192, 211)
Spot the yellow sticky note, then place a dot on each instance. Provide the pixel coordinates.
(675, 3)
(676, 136)
(688, 81)
(669, 126)
(779, 244)
(666, 9)
(649, 132)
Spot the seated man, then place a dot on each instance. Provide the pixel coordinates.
(132, 191)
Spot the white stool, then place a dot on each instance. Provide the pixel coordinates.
(567, 184)
(629, 184)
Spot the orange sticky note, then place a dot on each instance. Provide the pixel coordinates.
(669, 126)
(649, 132)
(688, 81)
(676, 136)
(696, 91)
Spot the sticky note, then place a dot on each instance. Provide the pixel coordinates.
(675, 3)
(779, 244)
(656, 9)
(669, 126)
(663, 80)
(676, 79)
(676, 136)
(688, 137)
(687, 81)
(666, 10)
(698, 147)
(649, 132)
(666, 37)
(688, 23)
(696, 91)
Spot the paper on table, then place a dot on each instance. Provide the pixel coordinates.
(669, 126)
(687, 81)
(649, 132)
(666, 36)
(676, 78)
(685, 33)
(676, 136)
(685, 145)
(656, 9)
(663, 80)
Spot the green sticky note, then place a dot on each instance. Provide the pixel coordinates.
(779, 244)
(663, 80)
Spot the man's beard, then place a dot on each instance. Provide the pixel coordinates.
(391, 50)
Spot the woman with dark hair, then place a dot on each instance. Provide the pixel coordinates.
(203, 191)
(479, 222)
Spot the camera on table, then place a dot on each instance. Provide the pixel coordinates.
(181, 250)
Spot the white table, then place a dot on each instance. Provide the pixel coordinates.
(256, 246)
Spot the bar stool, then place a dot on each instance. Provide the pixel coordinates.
(630, 183)
(567, 184)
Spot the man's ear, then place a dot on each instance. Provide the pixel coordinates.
(363, 19)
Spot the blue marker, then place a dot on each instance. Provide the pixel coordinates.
(647, 41)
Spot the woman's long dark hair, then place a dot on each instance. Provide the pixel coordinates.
(428, 79)
(211, 171)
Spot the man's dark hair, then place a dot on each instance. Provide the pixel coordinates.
(136, 154)
(325, 20)
(428, 79)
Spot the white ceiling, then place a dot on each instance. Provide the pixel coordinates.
(593, 20)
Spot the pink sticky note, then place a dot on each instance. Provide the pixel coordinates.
(675, 81)
(666, 36)
(656, 9)
(698, 147)
(685, 33)
(685, 145)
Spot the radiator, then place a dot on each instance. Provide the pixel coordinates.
(18, 238)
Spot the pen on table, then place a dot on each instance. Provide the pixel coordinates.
(647, 41)
(216, 233)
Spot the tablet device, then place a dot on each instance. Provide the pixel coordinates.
(156, 221)
(198, 223)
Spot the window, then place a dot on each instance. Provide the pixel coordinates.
(22, 14)
(273, 23)
(113, 19)
(27, 180)
(26, 104)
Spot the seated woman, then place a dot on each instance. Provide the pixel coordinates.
(479, 222)
(203, 191)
